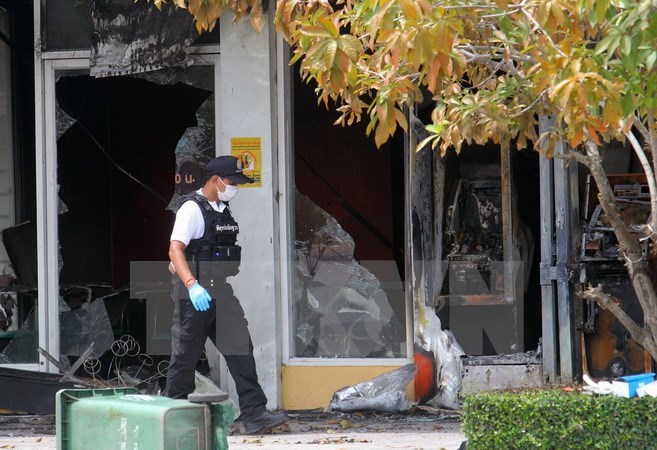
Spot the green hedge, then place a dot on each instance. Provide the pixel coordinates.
(559, 420)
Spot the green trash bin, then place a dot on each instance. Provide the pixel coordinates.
(117, 419)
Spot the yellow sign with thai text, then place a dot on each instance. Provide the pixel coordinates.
(249, 151)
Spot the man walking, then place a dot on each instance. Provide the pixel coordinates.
(203, 253)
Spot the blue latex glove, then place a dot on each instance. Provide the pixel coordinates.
(199, 297)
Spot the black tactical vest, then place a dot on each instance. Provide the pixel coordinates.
(215, 254)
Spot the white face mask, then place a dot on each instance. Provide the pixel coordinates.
(228, 194)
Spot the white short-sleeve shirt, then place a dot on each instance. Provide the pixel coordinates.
(189, 220)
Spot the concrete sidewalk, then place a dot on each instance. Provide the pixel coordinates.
(309, 430)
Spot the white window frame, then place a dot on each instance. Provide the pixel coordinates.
(285, 204)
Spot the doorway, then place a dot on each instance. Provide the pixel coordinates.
(127, 149)
(473, 301)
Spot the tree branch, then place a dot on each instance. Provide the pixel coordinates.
(490, 61)
(514, 9)
(652, 134)
(649, 140)
(537, 26)
(606, 301)
(629, 246)
(642, 128)
(574, 155)
(650, 177)
(526, 109)
(650, 137)
(492, 54)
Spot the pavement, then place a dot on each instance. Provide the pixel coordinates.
(421, 428)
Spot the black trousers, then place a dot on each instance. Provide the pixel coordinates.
(224, 323)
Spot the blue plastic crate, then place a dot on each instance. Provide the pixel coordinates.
(626, 386)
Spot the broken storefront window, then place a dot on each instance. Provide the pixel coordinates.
(19, 330)
(84, 326)
(92, 317)
(340, 308)
(19, 333)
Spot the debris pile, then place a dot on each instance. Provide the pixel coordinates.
(628, 386)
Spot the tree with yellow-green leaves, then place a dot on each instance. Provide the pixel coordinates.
(491, 69)
(206, 12)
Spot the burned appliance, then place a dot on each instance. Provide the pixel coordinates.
(608, 349)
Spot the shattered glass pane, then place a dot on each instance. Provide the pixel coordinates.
(83, 326)
(197, 144)
(60, 260)
(79, 328)
(62, 207)
(340, 308)
(24, 343)
(63, 306)
(201, 77)
(83, 320)
(7, 306)
(64, 121)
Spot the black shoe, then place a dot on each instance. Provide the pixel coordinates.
(263, 421)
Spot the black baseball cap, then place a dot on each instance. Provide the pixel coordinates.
(228, 166)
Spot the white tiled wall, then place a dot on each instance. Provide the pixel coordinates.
(6, 151)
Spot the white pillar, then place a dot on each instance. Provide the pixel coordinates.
(245, 110)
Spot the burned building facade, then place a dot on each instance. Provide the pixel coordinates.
(355, 259)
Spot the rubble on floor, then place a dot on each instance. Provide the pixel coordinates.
(318, 421)
(26, 425)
